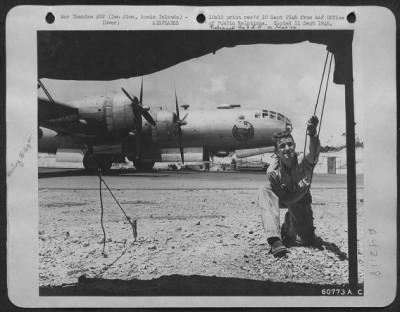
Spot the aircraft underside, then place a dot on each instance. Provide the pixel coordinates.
(94, 156)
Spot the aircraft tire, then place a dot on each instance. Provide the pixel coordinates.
(105, 164)
(93, 162)
(143, 165)
(89, 162)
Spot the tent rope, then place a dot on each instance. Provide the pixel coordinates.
(133, 224)
(102, 213)
(317, 101)
(322, 111)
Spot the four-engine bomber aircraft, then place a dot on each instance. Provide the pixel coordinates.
(108, 128)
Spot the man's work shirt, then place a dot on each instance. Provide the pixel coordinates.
(284, 181)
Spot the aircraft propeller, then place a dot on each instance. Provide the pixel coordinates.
(179, 124)
(138, 106)
(145, 109)
(138, 122)
(139, 110)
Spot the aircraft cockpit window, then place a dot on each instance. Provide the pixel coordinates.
(264, 113)
(272, 115)
(257, 115)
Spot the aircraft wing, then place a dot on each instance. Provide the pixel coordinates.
(51, 110)
(108, 55)
(60, 117)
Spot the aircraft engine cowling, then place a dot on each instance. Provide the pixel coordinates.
(114, 110)
(118, 114)
(164, 131)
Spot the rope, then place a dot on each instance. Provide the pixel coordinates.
(316, 102)
(326, 92)
(46, 92)
(133, 224)
(102, 214)
(321, 117)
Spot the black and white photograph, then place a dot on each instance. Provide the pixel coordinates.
(232, 160)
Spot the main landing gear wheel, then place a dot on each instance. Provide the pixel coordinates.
(141, 165)
(93, 162)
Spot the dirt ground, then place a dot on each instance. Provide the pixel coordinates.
(208, 232)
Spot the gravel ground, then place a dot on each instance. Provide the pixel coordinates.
(213, 232)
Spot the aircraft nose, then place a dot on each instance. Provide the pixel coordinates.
(288, 124)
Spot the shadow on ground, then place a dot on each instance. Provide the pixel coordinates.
(194, 285)
(332, 247)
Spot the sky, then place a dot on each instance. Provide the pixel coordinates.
(280, 77)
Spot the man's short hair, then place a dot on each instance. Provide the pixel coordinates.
(280, 135)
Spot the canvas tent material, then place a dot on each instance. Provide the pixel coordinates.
(108, 55)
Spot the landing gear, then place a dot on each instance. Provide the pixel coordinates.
(206, 160)
(142, 165)
(92, 162)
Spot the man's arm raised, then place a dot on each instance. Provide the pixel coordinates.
(314, 150)
(314, 146)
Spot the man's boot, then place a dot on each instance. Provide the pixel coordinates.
(277, 248)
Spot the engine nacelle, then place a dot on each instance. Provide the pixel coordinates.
(192, 154)
(114, 111)
(70, 155)
(165, 130)
(49, 141)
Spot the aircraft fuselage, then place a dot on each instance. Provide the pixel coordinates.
(228, 129)
(107, 125)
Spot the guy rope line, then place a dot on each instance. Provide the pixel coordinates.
(102, 214)
(317, 101)
(322, 111)
(45, 91)
(133, 224)
(326, 92)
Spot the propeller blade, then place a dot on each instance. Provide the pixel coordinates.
(138, 141)
(138, 111)
(178, 123)
(127, 95)
(182, 121)
(138, 108)
(138, 116)
(141, 93)
(182, 157)
(176, 105)
(147, 116)
(180, 144)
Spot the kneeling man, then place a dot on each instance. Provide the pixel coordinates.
(287, 186)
